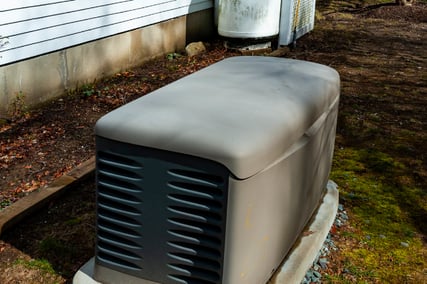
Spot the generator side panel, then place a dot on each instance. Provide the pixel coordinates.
(267, 212)
(160, 215)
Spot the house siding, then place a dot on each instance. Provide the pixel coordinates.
(56, 46)
(36, 27)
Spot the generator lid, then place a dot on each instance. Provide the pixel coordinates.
(243, 112)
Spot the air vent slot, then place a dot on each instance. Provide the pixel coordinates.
(194, 273)
(189, 280)
(118, 160)
(197, 177)
(199, 215)
(116, 184)
(118, 196)
(195, 226)
(199, 239)
(117, 251)
(116, 240)
(192, 249)
(116, 229)
(108, 258)
(196, 190)
(116, 206)
(118, 218)
(118, 172)
(201, 203)
(208, 264)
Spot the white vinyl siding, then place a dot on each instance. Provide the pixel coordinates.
(35, 27)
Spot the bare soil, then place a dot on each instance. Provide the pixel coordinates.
(380, 52)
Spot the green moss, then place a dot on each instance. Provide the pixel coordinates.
(40, 264)
(73, 221)
(383, 210)
(53, 246)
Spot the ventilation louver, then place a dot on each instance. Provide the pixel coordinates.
(182, 229)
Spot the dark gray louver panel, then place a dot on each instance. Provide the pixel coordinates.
(158, 209)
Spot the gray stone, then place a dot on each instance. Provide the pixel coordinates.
(195, 48)
(316, 277)
(323, 263)
(343, 216)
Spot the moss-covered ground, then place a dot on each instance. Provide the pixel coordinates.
(380, 161)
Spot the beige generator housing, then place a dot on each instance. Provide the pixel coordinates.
(212, 178)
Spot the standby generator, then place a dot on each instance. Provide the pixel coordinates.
(212, 178)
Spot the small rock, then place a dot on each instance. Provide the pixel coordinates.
(382, 236)
(195, 48)
(317, 276)
(316, 267)
(323, 263)
(404, 244)
(343, 216)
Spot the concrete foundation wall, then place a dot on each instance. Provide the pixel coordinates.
(45, 77)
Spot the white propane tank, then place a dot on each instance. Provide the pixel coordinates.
(248, 18)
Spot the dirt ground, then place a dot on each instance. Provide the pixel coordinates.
(379, 51)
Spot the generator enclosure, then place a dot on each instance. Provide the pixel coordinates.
(212, 178)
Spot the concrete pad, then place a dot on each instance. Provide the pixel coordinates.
(84, 275)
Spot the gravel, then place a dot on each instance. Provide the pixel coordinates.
(321, 262)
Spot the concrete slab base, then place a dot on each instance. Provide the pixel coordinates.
(300, 258)
(84, 275)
